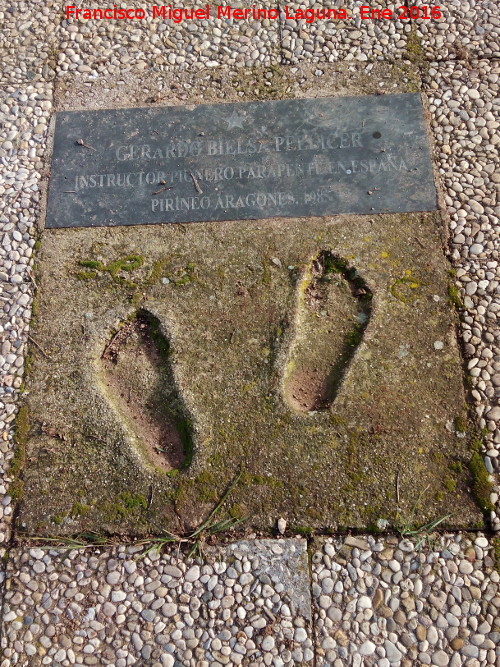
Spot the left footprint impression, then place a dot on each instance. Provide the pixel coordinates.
(140, 384)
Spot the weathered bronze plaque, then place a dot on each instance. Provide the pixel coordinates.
(366, 154)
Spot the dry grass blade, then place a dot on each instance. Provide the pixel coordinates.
(91, 540)
(207, 528)
(206, 524)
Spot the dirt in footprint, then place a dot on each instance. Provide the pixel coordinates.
(333, 311)
(140, 384)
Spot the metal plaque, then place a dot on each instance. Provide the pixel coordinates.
(287, 158)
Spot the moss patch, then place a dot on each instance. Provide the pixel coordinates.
(414, 49)
(95, 267)
(481, 485)
(263, 83)
(21, 433)
(79, 510)
(454, 297)
(496, 553)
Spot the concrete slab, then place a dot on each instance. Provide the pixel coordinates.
(315, 360)
(234, 316)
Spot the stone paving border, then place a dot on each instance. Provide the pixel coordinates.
(392, 602)
(431, 600)
(331, 41)
(463, 101)
(29, 40)
(160, 45)
(25, 114)
(113, 47)
(467, 29)
(247, 603)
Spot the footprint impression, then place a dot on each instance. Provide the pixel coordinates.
(139, 382)
(333, 310)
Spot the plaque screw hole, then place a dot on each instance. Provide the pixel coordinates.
(376, 135)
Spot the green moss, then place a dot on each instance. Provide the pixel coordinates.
(57, 519)
(414, 48)
(409, 74)
(454, 297)
(266, 273)
(450, 484)
(158, 271)
(135, 298)
(92, 264)
(216, 460)
(114, 512)
(127, 263)
(302, 530)
(207, 487)
(22, 429)
(16, 489)
(476, 444)
(186, 275)
(333, 264)
(248, 479)
(496, 553)
(461, 424)
(35, 308)
(481, 485)
(125, 505)
(236, 511)
(86, 275)
(22, 425)
(457, 467)
(78, 510)
(28, 362)
(336, 421)
(133, 501)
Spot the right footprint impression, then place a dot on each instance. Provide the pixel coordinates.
(333, 311)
